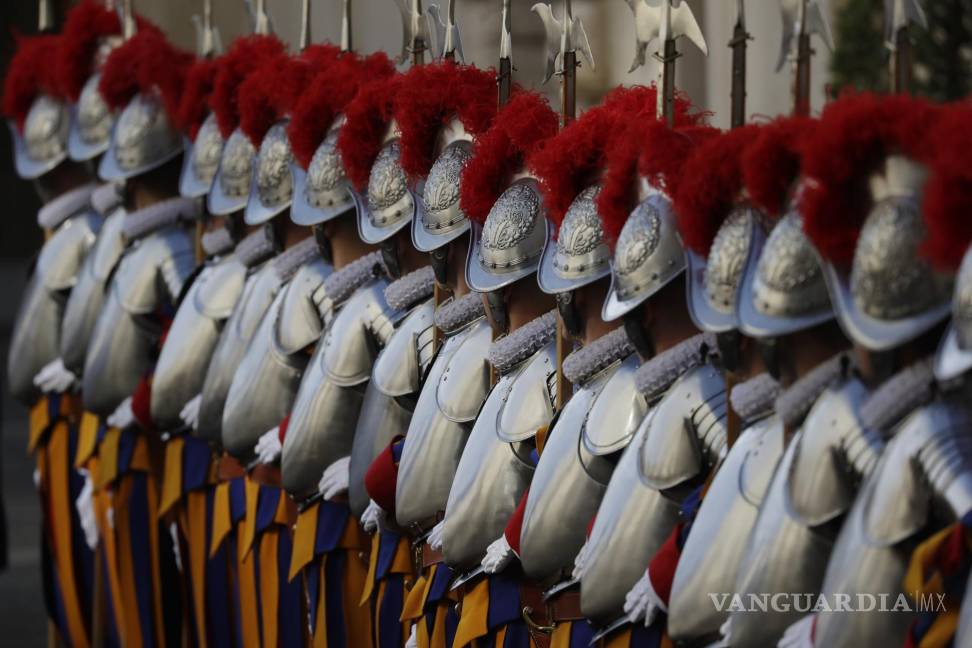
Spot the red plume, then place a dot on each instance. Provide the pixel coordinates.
(86, 25)
(231, 69)
(710, 185)
(194, 104)
(326, 97)
(428, 97)
(518, 129)
(30, 74)
(367, 118)
(771, 163)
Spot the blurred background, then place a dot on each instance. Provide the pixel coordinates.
(944, 71)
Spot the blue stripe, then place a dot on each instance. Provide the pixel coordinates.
(439, 589)
(312, 583)
(218, 619)
(581, 634)
(387, 548)
(334, 603)
(504, 599)
(141, 554)
(290, 625)
(237, 496)
(332, 519)
(196, 459)
(267, 501)
(390, 612)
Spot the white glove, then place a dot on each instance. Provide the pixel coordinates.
(55, 378)
(176, 551)
(335, 479)
(800, 634)
(190, 412)
(435, 536)
(372, 517)
(37, 478)
(412, 638)
(499, 554)
(725, 635)
(123, 416)
(268, 446)
(86, 512)
(580, 562)
(643, 603)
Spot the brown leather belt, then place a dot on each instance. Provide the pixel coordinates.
(229, 468)
(430, 556)
(266, 474)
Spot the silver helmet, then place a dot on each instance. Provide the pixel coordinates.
(272, 187)
(143, 139)
(389, 204)
(509, 244)
(438, 217)
(649, 255)
(91, 123)
(321, 193)
(954, 356)
(580, 255)
(201, 160)
(231, 186)
(891, 295)
(42, 145)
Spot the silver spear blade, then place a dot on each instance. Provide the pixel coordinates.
(444, 34)
(208, 41)
(561, 36)
(664, 21)
(901, 13)
(803, 16)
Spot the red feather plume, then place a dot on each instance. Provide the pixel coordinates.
(30, 74)
(771, 163)
(710, 185)
(518, 129)
(367, 118)
(428, 97)
(194, 104)
(86, 25)
(231, 69)
(327, 95)
(855, 134)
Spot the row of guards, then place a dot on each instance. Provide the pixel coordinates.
(323, 353)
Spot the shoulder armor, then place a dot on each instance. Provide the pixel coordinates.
(763, 451)
(300, 319)
(63, 254)
(617, 411)
(349, 351)
(529, 404)
(108, 250)
(259, 291)
(465, 381)
(401, 365)
(687, 429)
(160, 261)
(817, 487)
(218, 293)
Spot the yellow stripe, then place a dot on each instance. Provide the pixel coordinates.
(473, 618)
(269, 593)
(372, 570)
(246, 573)
(357, 618)
(249, 522)
(417, 596)
(156, 558)
(619, 640)
(438, 638)
(402, 562)
(39, 421)
(87, 438)
(942, 631)
(305, 534)
(320, 628)
(560, 638)
(196, 515)
(378, 599)
(102, 500)
(133, 629)
(172, 475)
(222, 520)
(108, 458)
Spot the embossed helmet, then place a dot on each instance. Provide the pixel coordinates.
(321, 190)
(203, 141)
(720, 230)
(230, 187)
(38, 117)
(502, 200)
(783, 287)
(864, 217)
(144, 77)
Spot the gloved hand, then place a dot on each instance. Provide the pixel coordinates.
(580, 563)
(725, 635)
(412, 638)
(176, 550)
(372, 517)
(190, 412)
(86, 513)
(55, 378)
(435, 536)
(268, 447)
(335, 479)
(499, 554)
(123, 416)
(800, 634)
(642, 602)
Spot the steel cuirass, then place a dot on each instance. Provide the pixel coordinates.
(569, 481)
(263, 389)
(454, 390)
(149, 276)
(396, 378)
(328, 401)
(963, 634)
(36, 338)
(493, 473)
(923, 481)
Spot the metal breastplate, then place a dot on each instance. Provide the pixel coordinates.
(711, 555)
(490, 479)
(266, 382)
(36, 338)
(191, 340)
(456, 385)
(258, 294)
(123, 345)
(622, 409)
(563, 495)
(390, 397)
(921, 469)
(963, 634)
(88, 295)
(328, 402)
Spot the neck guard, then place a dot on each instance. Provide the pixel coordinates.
(255, 248)
(903, 392)
(139, 224)
(658, 374)
(290, 261)
(67, 204)
(509, 351)
(217, 242)
(341, 284)
(106, 198)
(586, 362)
(414, 287)
(456, 314)
(794, 403)
(754, 399)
